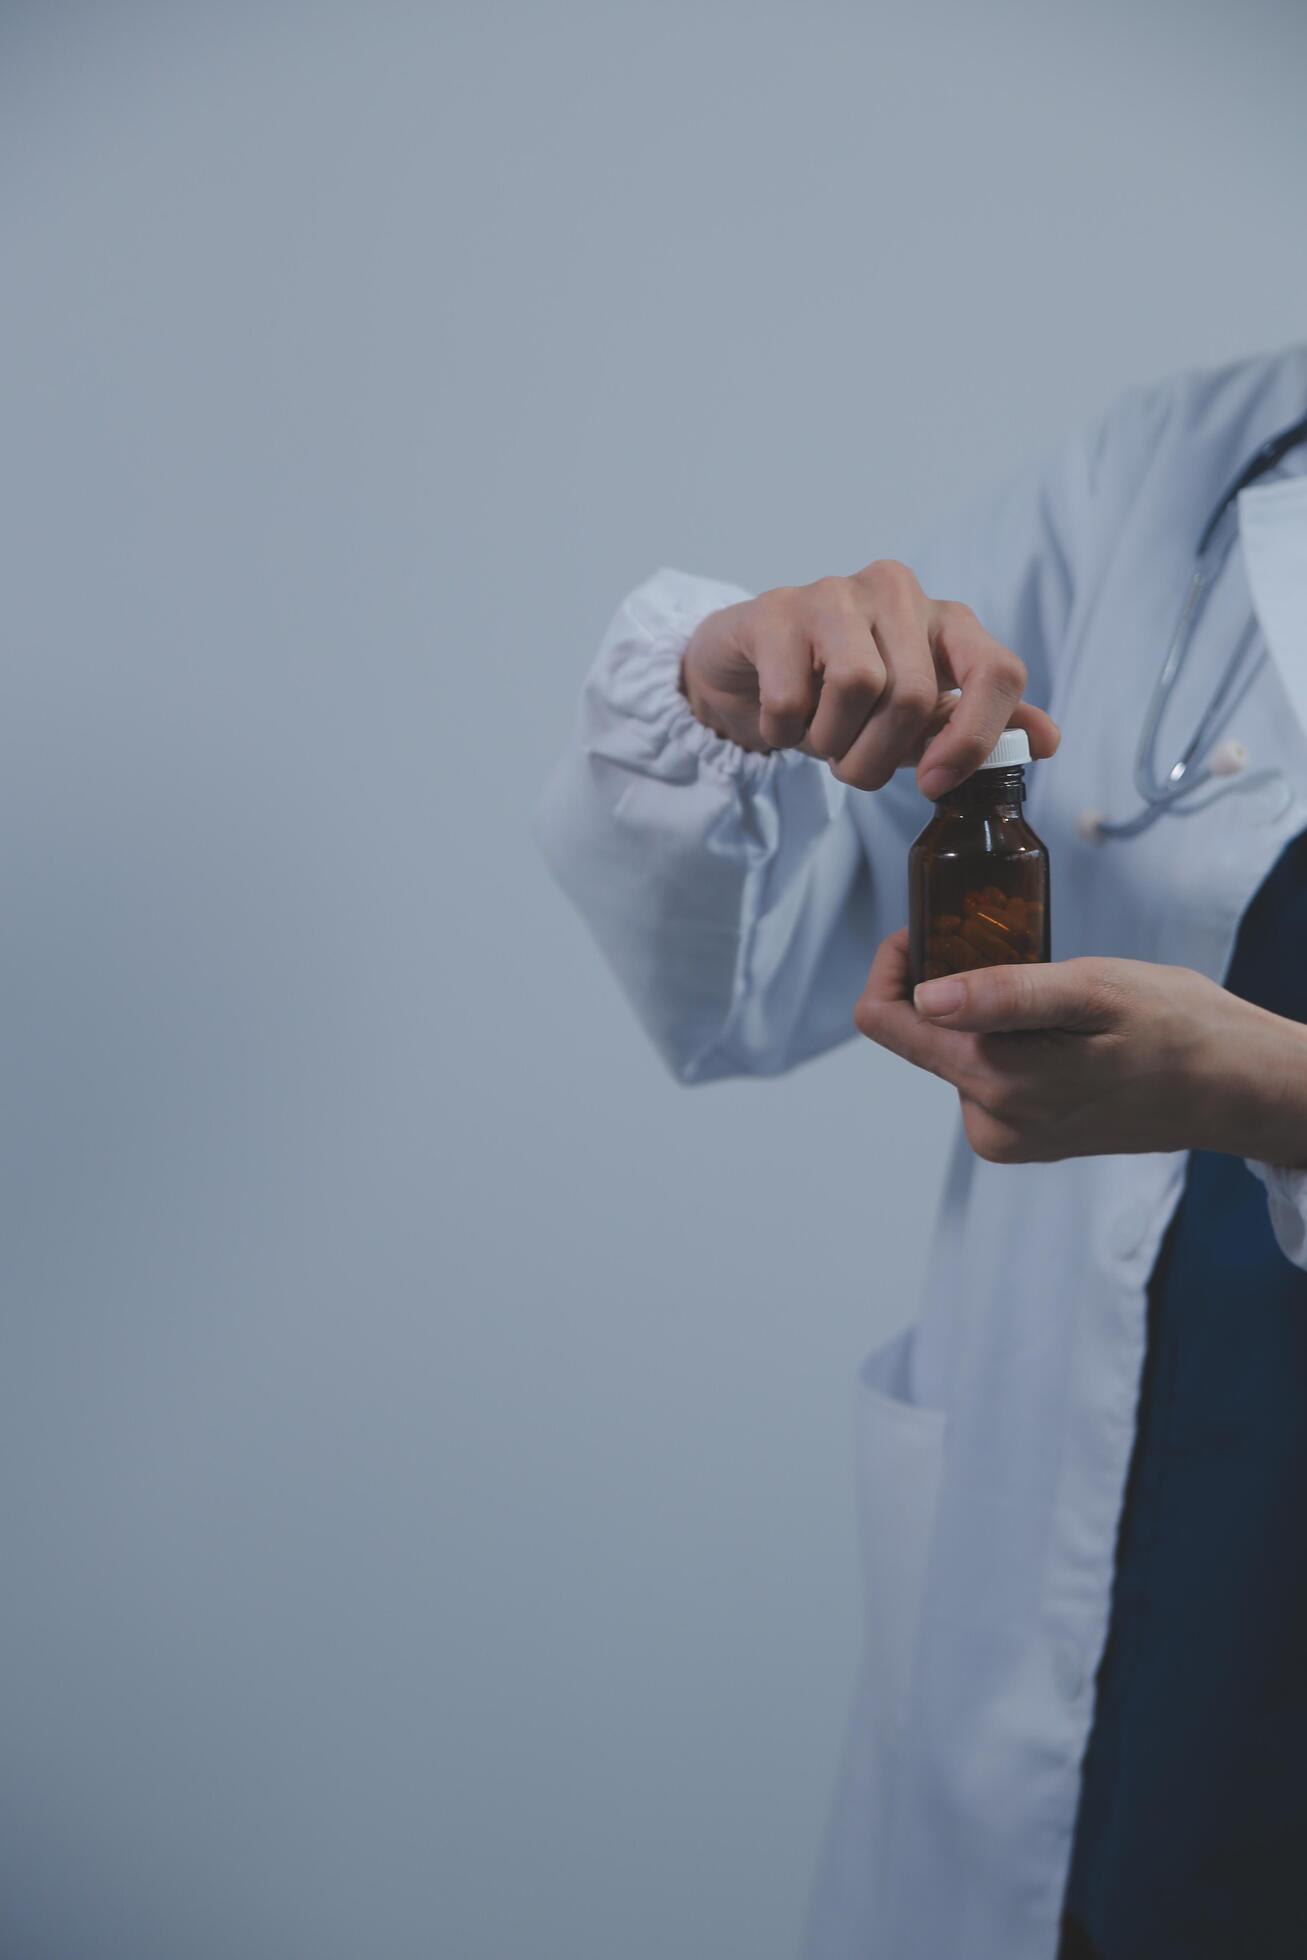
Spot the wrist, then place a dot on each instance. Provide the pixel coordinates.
(691, 688)
(1257, 1103)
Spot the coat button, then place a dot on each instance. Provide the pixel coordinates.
(1069, 1671)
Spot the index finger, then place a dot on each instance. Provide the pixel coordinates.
(1044, 733)
(885, 1014)
(991, 679)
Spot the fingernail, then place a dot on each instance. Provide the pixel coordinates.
(938, 996)
(937, 782)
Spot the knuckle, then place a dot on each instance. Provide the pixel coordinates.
(829, 594)
(771, 612)
(777, 598)
(991, 1138)
(889, 576)
(954, 621)
(1000, 1099)
(852, 679)
(971, 749)
(914, 700)
(867, 1016)
(1010, 670)
(785, 703)
(979, 1128)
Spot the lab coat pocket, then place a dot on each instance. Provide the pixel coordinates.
(899, 1467)
(900, 1460)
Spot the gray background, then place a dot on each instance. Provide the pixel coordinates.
(425, 1498)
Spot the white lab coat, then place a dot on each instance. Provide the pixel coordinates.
(739, 899)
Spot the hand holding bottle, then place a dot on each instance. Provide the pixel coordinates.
(1083, 1057)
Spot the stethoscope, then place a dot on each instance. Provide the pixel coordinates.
(1203, 759)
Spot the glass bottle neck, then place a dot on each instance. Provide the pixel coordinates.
(988, 789)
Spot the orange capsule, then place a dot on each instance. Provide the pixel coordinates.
(961, 957)
(994, 947)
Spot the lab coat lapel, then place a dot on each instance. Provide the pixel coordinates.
(1273, 533)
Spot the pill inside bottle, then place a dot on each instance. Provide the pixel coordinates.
(978, 875)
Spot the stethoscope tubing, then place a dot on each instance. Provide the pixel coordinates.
(1183, 780)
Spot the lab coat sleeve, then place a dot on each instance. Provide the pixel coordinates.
(729, 891)
(1286, 1195)
(739, 897)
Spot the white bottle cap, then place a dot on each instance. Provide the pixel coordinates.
(1011, 748)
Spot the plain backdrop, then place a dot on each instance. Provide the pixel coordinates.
(425, 1474)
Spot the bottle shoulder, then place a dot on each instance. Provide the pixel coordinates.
(967, 833)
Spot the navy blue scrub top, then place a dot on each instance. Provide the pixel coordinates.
(1191, 1837)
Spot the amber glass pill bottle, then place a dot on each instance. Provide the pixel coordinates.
(978, 875)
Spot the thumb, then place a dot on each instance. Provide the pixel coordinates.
(993, 999)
